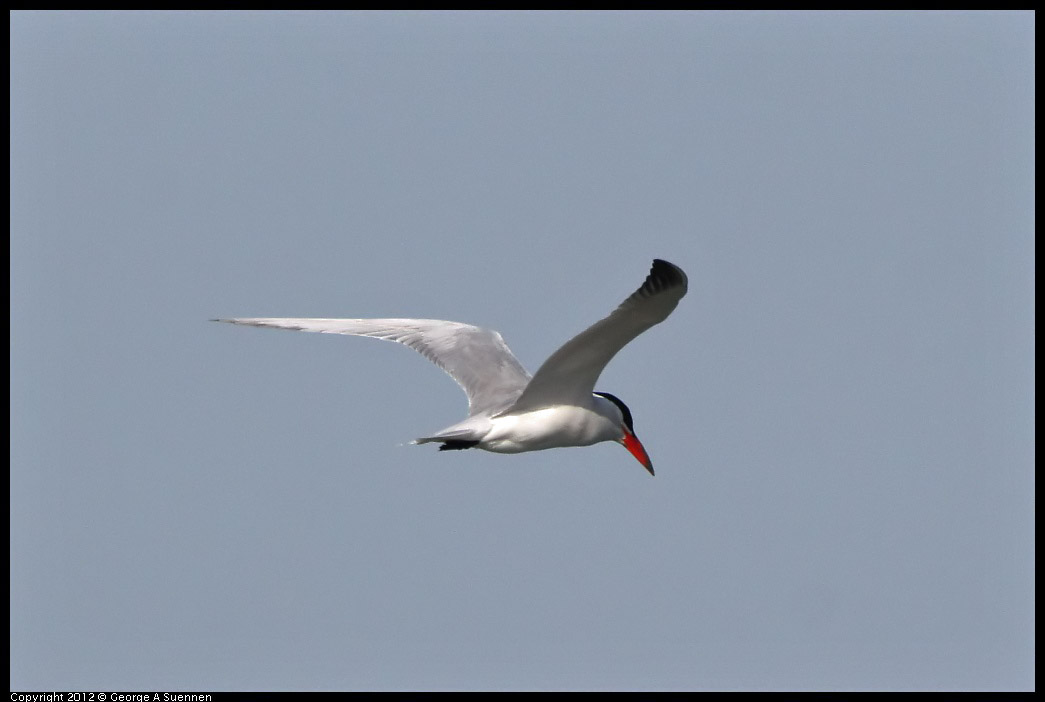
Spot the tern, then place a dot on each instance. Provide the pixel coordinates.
(508, 410)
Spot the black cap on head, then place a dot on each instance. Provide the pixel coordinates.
(621, 406)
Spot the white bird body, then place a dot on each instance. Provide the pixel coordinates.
(534, 430)
(510, 412)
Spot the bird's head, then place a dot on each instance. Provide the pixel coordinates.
(628, 439)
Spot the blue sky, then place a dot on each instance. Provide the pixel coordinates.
(840, 411)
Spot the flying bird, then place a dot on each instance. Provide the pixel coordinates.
(508, 410)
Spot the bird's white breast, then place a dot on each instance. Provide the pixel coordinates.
(551, 427)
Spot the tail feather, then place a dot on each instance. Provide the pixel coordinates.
(463, 435)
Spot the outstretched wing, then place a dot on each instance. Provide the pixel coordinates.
(569, 374)
(478, 359)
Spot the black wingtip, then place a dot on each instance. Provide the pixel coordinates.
(457, 444)
(663, 275)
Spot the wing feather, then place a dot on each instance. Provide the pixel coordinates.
(476, 358)
(569, 375)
